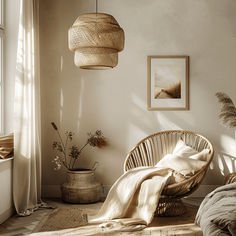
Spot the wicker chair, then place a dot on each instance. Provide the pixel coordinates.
(152, 148)
(230, 178)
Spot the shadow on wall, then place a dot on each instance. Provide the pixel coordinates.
(131, 122)
(227, 163)
(223, 163)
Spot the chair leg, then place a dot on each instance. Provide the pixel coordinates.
(170, 207)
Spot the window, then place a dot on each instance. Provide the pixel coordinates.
(2, 34)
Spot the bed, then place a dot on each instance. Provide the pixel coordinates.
(217, 213)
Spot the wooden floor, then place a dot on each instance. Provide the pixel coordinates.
(183, 225)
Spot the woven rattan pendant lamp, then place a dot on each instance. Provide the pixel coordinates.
(96, 39)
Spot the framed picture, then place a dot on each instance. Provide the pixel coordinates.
(168, 83)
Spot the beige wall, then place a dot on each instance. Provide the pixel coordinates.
(6, 201)
(115, 100)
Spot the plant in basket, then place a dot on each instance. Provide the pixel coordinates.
(81, 186)
(68, 156)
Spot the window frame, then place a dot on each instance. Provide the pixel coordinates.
(2, 64)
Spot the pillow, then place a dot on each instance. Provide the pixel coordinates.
(202, 156)
(183, 150)
(185, 160)
(184, 166)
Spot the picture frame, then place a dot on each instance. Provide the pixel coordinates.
(168, 83)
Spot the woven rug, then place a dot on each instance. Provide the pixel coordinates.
(69, 218)
(63, 218)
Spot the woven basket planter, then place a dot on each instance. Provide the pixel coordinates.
(81, 187)
(96, 39)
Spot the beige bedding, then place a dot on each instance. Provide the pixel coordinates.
(217, 213)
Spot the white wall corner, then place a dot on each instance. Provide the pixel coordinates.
(6, 214)
(51, 191)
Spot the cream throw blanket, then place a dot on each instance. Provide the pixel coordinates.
(134, 195)
(130, 204)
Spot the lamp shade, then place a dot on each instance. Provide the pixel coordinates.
(96, 39)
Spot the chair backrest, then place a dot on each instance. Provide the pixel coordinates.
(152, 148)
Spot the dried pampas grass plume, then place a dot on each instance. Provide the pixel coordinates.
(228, 110)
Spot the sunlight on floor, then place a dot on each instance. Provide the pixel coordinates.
(181, 225)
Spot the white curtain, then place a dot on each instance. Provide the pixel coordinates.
(27, 147)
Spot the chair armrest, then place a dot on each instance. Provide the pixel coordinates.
(230, 178)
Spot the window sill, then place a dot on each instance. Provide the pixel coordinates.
(5, 160)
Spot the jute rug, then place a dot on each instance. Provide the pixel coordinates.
(69, 218)
(63, 218)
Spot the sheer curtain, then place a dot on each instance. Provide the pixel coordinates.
(27, 147)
